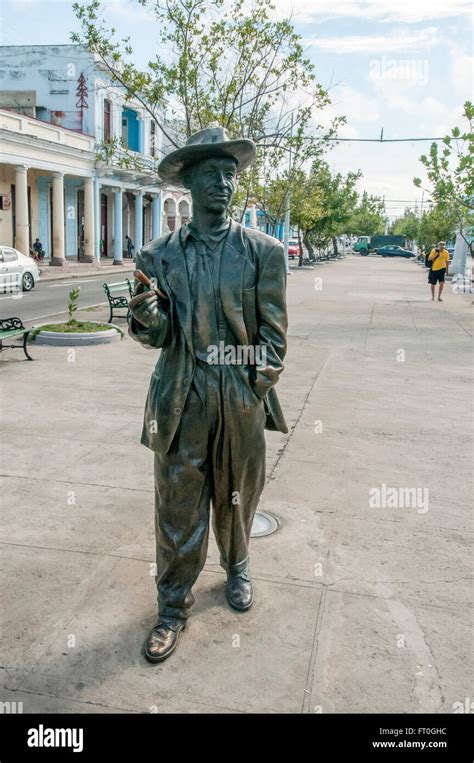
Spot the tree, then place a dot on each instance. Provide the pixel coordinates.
(436, 224)
(368, 217)
(450, 170)
(224, 63)
(408, 225)
(321, 204)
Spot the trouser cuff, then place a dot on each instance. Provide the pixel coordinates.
(236, 569)
(176, 613)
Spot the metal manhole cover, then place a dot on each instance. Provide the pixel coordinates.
(263, 524)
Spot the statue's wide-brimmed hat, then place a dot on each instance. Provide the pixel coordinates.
(213, 142)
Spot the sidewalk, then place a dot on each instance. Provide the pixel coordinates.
(358, 609)
(75, 269)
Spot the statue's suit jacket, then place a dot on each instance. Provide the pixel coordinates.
(253, 295)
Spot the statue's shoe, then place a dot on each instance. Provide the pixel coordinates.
(163, 639)
(239, 591)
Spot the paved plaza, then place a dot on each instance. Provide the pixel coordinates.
(362, 601)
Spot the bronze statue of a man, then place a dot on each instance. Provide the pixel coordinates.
(219, 317)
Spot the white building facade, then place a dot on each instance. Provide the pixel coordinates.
(64, 176)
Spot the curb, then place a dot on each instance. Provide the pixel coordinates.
(71, 274)
(59, 339)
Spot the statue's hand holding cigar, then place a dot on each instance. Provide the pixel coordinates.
(144, 307)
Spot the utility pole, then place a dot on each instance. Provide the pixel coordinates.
(286, 239)
(416, 244)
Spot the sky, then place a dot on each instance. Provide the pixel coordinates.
(401, 65)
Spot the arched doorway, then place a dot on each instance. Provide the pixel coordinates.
(183, 211)
(169, 208)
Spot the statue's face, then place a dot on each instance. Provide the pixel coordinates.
(212, 183)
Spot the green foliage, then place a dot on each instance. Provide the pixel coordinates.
(113, 151)
(436, 224)
(368, 216)
(407, 225)
(233, 64)
(450, 171)
(321, 202)
(72, 304)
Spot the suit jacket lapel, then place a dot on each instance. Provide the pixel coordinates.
(175, 272)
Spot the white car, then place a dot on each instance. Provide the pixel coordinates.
(17, 272)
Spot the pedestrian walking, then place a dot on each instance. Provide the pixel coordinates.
(439, 259)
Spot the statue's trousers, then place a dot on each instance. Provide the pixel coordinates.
(217, 458)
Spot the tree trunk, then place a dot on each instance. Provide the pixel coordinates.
(309, 247)
(334, 247)
(300, 244)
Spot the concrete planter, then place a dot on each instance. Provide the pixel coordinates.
(59, 339)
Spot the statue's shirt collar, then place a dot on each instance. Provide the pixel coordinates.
(210, 239)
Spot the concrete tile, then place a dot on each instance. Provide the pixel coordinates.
(407, 665)
(52, 584)
(257, 661)
(78, 517)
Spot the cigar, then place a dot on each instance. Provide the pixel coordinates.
(140, 276)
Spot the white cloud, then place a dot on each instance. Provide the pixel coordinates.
(401, 11)
(128, 11)
(400, 96)
(397, 41)
(354, 104)
(462, 73)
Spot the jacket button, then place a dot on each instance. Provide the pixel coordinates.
(186, 381)
(177, 411)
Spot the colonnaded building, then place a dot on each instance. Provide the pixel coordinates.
(77, 160)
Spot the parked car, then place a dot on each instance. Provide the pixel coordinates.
(395, 251)
(371, 244)
(17, 271)
(293, 249)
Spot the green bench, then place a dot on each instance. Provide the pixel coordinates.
(118, 302)
(10, 328)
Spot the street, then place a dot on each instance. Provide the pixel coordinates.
(49, 299)
(363, 592)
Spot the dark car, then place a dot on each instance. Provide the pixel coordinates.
(395, 251)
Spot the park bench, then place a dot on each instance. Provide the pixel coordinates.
(10, 328)
(118, 302)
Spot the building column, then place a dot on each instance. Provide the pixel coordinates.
(156, 217)
(138, 221)
(89, 221)
(58, 257)
(97, 216)
(22, 226)
(141, 135)
(118, 244)
(457, 267)
(253, 216)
